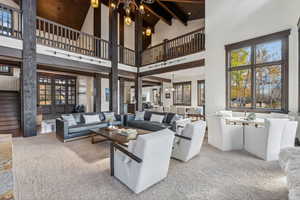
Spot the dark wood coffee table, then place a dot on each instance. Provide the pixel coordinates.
(112, 135)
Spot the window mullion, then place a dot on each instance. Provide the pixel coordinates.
(253, 77)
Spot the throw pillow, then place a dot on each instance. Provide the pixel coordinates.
(157, 118)
(89, 119)
(70, 119)
(139, 115)
(176, 118)
(109, 116)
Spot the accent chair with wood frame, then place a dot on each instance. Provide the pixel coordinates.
(145, 162)
(188, 144)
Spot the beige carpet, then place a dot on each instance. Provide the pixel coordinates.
(46, 169)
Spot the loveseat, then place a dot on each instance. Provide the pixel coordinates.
(65, 131)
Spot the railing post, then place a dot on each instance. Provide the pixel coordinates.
(165, 52)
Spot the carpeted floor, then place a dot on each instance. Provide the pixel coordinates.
(46, 169)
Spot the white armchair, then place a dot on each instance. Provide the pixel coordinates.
(289, 134)
(223, 136)
(265, 142)
(145, 162)
(188, 144)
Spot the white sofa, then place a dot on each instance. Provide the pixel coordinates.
(187, 144)
(146, 162)
(224, 136)
(266, 142)
(289, 159)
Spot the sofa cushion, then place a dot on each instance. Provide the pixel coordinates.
(157, 118)
(139, 115)
(148, 115)
(147, 125)
(70, 119)
(78, 117)
(109, 115)
(89, 119)
(85, 127)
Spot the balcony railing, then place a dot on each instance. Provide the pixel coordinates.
(126, 56)
(10, 21)
(181, 46)
(62, 37)
(58, 36)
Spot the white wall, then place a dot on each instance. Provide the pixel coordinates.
(10, 3)
(88, 26)
(104, 103)
(129, 36)
(85, 97)
(164, 31)
(10, 83)
(248, 19)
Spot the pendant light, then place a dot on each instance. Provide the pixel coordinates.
(95, 3)
(128, 20)
(148, 31)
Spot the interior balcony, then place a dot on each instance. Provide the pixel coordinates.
(56, 40)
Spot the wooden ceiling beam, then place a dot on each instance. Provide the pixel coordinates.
(152, 10)
(187, 1)
(160, 79)
(174, 11)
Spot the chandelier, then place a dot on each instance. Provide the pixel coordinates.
(131, 6)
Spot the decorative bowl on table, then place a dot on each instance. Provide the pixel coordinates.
(129, 133)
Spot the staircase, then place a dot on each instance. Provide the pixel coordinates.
(10, 113)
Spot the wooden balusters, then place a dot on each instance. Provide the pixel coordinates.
(58, 36)
(181, 46)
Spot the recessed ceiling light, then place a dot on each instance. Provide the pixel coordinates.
(189, 13)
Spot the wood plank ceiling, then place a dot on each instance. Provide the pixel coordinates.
(72, 13)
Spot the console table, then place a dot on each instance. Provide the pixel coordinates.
(6, 174)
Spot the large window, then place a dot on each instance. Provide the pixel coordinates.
(201, 92)
(6, 22)
(45, 93)
(56, 90)
(6, 70)
(257, 74)
(182, 93)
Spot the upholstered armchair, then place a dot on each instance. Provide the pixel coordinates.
(265, 142)
(188, 144)
(145, 162)
(223, 136)
(289, 134)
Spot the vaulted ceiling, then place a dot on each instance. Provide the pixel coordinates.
(72, 13)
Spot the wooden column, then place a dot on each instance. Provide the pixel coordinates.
(97, 21)
(121, 37)
(113, 38)
(97, 78)
(97, 93)
(122, 93)
(29, 69)
(138, 59)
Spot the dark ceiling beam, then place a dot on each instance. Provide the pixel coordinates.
(160, 15)
(156, 78)
(174, 11)
(187, 1)
(193, 64)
